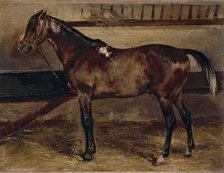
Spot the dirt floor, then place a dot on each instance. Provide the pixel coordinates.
(54, 143)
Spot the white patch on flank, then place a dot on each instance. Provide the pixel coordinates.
(103, 50)
(56, 28)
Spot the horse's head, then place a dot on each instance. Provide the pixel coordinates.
(35, 33)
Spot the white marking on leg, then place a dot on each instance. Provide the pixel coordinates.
(188, 153)
(161, 160)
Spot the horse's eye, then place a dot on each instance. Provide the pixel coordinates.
(31, 26)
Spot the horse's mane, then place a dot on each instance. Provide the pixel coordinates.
(79, 35)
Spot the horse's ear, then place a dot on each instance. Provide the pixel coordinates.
(39, 13)
(42, 14)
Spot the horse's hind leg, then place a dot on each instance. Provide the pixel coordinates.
(170, 121)
(186, 117)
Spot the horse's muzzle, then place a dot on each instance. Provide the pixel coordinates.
(24, 48)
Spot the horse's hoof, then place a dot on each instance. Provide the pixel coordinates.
(160, 161)
(188, 153)
(87, 156)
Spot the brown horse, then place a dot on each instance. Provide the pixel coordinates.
(96, 70)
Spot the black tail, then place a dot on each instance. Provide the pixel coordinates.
(206, 67)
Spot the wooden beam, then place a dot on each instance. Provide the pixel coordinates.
(142, 12)
(199, 12)
(216, 11)
(132, 11)
(43, 85)
(180, 13)
(32, 84)
(190, 12)
(111, 7)
(136, 22)
(207, 12)
(122, 9)
(153, 12)
(161, 12)
(23, 120)
(171, 11)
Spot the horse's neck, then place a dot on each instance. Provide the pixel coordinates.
(66, 42)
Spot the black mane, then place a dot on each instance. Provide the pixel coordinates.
(79, 35)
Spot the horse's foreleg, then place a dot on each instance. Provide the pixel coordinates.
(186, 117)
(87, 123)
(170, 121)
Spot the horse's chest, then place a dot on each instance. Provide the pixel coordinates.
(80, 79)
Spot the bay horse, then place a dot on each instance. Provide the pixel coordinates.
(96, 70)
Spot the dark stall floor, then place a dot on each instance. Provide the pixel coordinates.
(53, 144)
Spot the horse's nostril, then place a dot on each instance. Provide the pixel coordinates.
(28, 49)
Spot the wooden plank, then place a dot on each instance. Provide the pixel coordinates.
(117, 8)
(207, 12)
(171, 11)
(132, 11)
(136, 22)
(185, 12)
(122, 9)
(95, 9)
(137, 10)
(216, 12)
(142, 12)
(190, 13)
(199, 12)
(111, 7)
(157, 12)
(153, 12)
(32, 84)
(176, 10)
(161, 12)
(147, 13)
(166, 12)
(180, 12)
(23, 120)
